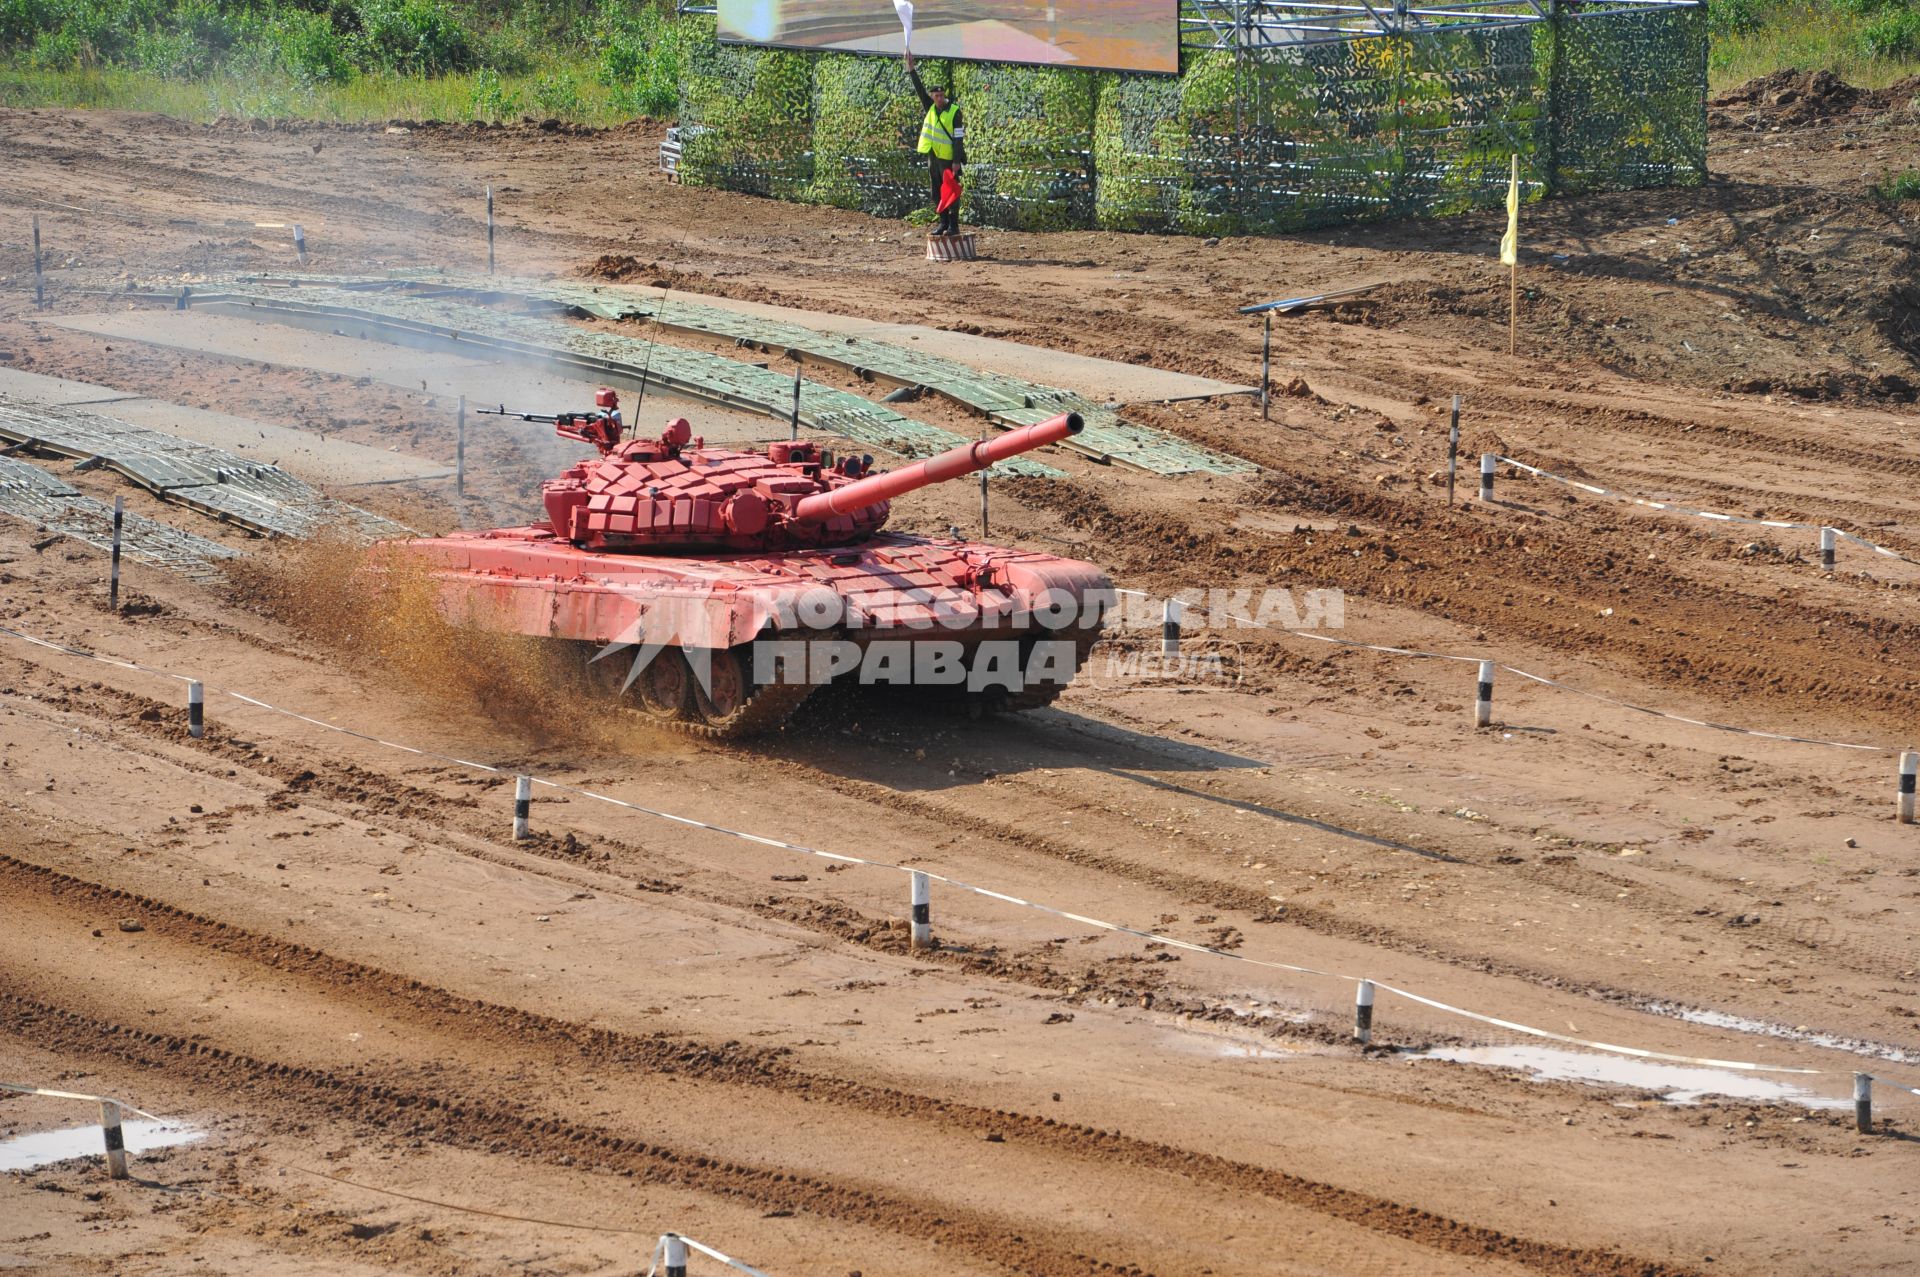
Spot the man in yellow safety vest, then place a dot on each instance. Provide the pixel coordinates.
(943, 140)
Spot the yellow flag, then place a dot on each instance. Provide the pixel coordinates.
(1510, 242)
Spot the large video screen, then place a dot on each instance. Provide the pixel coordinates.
(1119, 35)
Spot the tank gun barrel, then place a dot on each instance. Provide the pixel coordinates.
(952, 464)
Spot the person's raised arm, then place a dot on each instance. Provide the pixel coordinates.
(913, 73)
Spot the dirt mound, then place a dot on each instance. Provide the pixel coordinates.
(624, 268)
(1791, 98)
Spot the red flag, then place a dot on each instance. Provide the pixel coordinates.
(949, 192)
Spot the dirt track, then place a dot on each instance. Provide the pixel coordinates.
(345, 968)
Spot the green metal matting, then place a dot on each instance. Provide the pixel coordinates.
(250, 494)
(1006, 401)
(442, 323)
(47, 501)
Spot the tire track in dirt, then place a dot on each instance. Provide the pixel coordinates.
(409, 999)
(340, 788)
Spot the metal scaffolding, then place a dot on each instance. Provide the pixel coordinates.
(1254, 24)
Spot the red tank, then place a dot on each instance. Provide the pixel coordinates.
(713, 590)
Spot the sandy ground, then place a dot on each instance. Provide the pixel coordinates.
(418, 1046)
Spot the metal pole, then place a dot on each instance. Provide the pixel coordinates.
(1487, 460)
(196, 711)
(1266, 371)
(676, 1256)
(113, 586)
(1863, 1102)
(1909, 776)
(1829, 542)
(922, 911)
(489, 230)
(115, 1137)
(793, 426)
(39, 277)
(1453, 449)
(983, 505)
(1483, 698)
(460, 450)
(1363, 1012)
(300, 242)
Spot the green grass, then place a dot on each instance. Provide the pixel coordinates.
(1868, 43)
(1900, 186)
(564, 90)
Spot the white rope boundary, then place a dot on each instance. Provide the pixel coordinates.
(957, 884)
(1565, 687)
(1673, 507)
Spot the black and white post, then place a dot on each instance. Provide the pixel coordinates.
(1863, 1103)
(196, 710)
(39, 276)
(1171, 615)
(1453, 449)
(522, 806)
(115, 1137)
(460, 449)
(489, 230)
(300, 242)
(1266, 371)
(113, 583)
(676, 1255)
(922, 910)
(1909, 776)
(1829, 543)
(1486, 476)
(1483, 697)
(1363, 1013)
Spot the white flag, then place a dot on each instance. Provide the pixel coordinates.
(905, 9)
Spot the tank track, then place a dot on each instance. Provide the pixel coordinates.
(766, 709)
(1031, 698)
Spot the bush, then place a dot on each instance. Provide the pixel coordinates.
(1737, 17)
(413, 37)
(1899, 186)
(490, 98)
(559, 95)
(306, 46)
(642, 56)
(1894, 34)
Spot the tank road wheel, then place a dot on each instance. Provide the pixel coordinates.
(732, 705)
(664, 689)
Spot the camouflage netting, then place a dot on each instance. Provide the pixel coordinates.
(1239, 143)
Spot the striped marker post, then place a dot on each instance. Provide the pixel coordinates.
(196, 711)
(300, 242)
(1829, 542)
(1909, 774)
(1363, 1013)
(522, 806)
(922, 910)
(1170, 617)
(1483, 697)
(1486, 476)
(676, 1256)
(39, 277)
(1863, 1103)
(113, 585)
(1453, 450)
(460, 450)
(489, 230)
(115, 1137)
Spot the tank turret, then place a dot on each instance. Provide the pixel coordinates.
(658, 495)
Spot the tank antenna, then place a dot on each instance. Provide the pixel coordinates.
(653, 338)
